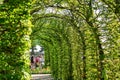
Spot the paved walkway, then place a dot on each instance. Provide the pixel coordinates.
(41, 77)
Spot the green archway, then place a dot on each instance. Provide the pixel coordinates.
(81, 38)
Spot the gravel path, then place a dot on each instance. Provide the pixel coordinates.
(41, 77)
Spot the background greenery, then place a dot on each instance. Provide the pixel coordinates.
(80, 37)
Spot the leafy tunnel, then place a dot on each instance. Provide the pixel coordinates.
(80, 37)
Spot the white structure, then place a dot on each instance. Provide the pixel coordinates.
(38, 51)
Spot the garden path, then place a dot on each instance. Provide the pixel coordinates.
(41, 77)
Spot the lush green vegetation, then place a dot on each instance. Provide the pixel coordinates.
(15, 28)
(41, 71)
(80, 37)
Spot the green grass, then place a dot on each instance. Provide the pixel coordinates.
(41, 71)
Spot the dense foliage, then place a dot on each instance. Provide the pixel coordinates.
(15, 28)
(81, 37)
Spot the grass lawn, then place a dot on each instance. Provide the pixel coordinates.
(41, 71)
